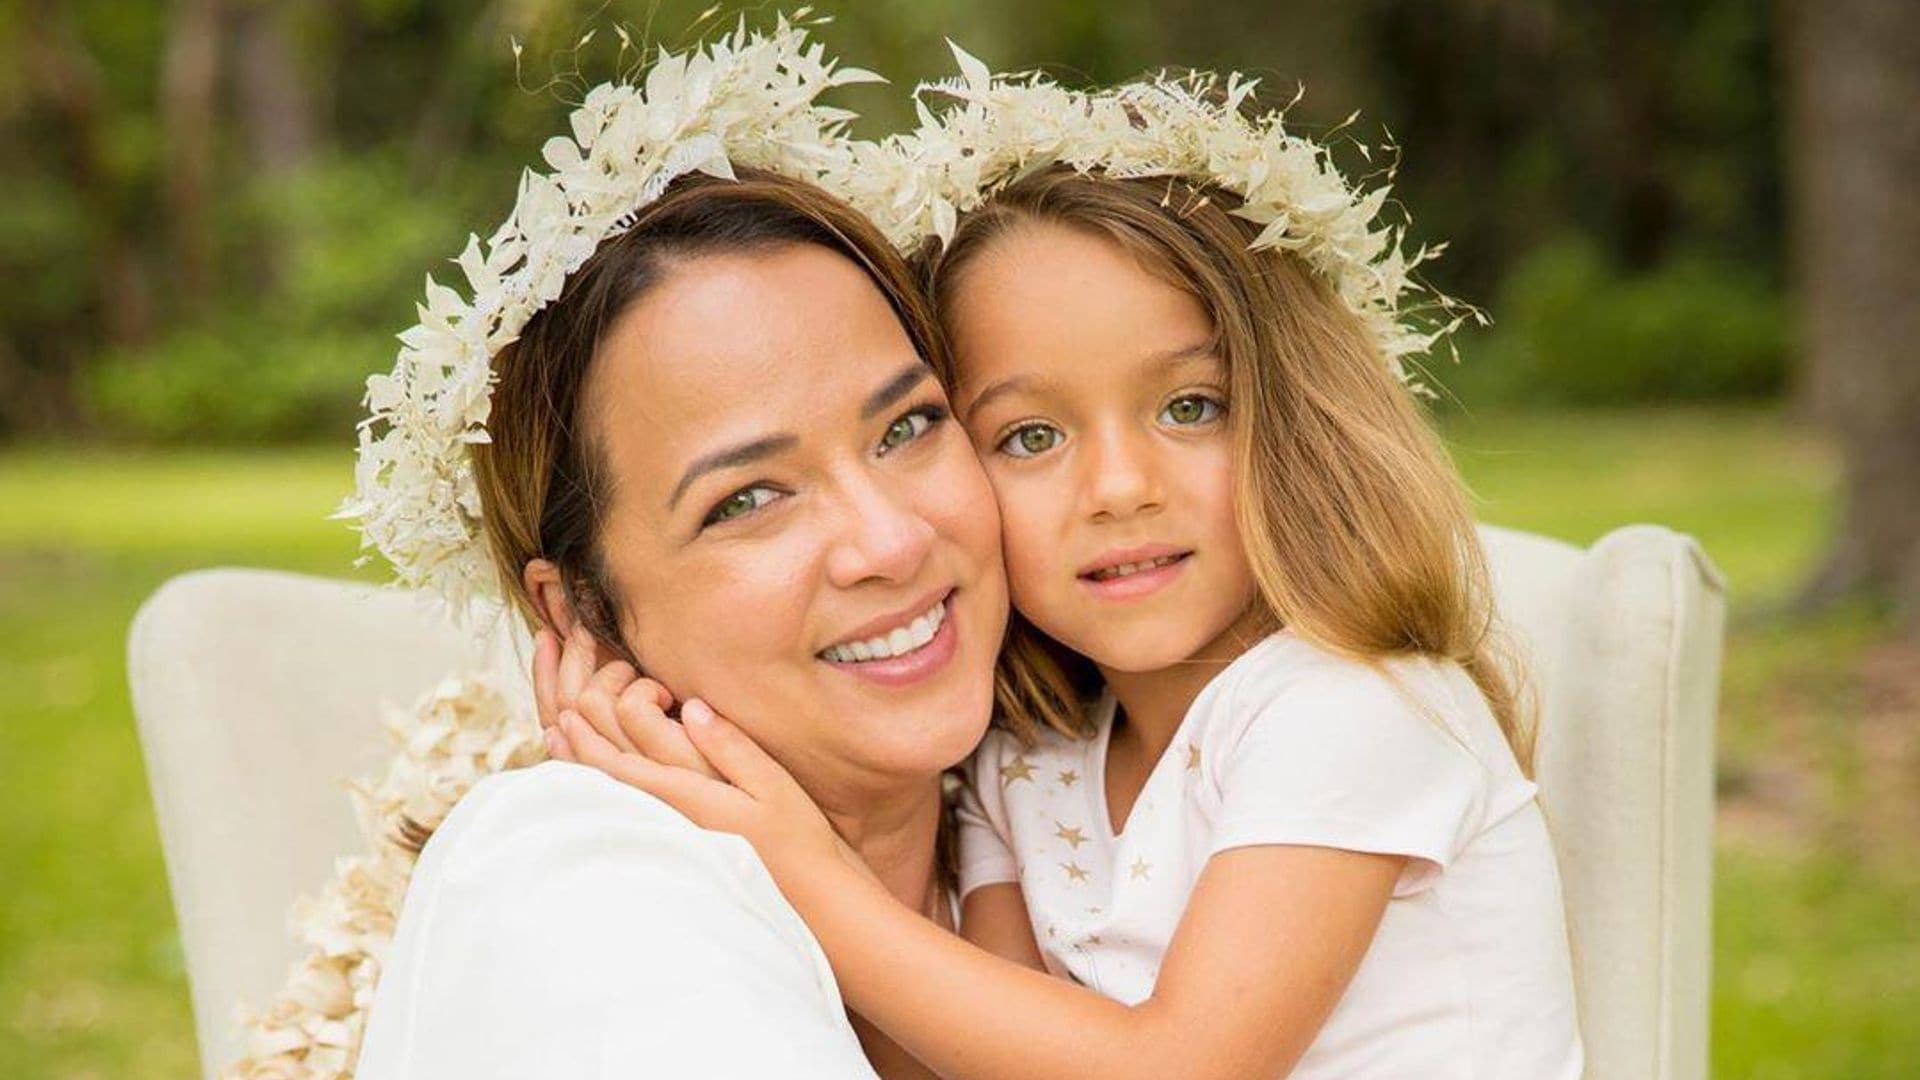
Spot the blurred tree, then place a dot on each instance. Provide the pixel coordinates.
(1855, 142)
(190, 80)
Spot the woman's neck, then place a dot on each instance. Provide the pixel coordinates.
(895, 831)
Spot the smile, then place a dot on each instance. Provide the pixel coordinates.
(1109, 573)
(911, 637)
(1132, 573)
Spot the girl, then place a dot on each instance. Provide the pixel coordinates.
(1258, 784)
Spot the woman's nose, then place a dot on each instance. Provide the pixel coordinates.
(882, 536)
(1121, 477)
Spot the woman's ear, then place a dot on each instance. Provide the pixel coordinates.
(541, 579)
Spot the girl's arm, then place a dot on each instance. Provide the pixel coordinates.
(994, 917)
(1269, 941)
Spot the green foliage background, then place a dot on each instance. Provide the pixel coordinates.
(1607, 174)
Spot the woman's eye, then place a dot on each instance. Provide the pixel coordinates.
(909, 427)
(1031, 440)
(1190, 410)
(740, 504)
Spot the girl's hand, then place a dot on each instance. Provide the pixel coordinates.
(627, 710)
(736, 787)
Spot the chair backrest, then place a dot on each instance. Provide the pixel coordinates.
(258, 692)
(1623, 643)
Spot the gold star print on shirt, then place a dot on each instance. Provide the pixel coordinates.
(1017, 769)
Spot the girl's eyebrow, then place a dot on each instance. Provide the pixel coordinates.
(1199, 350)
(1000, 388)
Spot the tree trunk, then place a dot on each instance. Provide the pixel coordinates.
(276, 114)
(1854, 144)
(189, 80)
(65, 76)
(276, 107)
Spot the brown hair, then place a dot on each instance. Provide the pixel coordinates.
(542, 479)
(1354, 521)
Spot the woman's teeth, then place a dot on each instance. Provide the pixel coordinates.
(1111, 572)
(903, 640)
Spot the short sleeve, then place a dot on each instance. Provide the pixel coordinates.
(561, 925)
(986, 849)
(1348, 757)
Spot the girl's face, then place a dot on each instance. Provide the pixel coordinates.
(1093, 395)
(800, 534)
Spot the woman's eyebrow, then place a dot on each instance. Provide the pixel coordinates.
(894, 389)
(742, 454)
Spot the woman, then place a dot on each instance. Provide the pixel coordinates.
(721, 450)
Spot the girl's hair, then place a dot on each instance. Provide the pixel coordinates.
(1354, 521)
(543, 480)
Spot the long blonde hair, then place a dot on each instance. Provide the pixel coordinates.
(1355, 523)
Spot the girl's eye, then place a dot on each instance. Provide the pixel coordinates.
(910, 427)
(1031, 440)
(740, 504)
(1189, 410)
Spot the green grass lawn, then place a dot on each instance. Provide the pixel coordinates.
(1817, 970)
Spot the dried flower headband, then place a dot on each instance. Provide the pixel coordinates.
(748, 99)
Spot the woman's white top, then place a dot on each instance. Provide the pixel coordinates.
(563, 925)
(1469, 973)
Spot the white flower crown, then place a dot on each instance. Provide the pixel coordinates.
(748, 99)
(745, 99)
(1194, 128)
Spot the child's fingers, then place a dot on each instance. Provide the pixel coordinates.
(709, 804)
(576, 667)
(661, 697)
(599, 706)
(558, 749)
(546, 677)
(734, 753)
(653, 734)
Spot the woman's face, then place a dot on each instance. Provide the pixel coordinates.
(800, 534)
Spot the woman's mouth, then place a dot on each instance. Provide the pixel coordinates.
(904, 654)
(1135, 575)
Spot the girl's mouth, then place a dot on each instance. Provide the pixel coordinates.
(1135, 577)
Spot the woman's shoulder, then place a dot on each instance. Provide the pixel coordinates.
(530, 828)
(560, 923)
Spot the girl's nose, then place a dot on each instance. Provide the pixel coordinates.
(1120, 477)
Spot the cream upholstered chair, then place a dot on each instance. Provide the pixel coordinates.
(258, 692)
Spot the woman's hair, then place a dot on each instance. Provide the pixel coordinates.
(1354, 521)
(543, 479)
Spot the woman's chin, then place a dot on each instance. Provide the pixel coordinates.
(926, 737)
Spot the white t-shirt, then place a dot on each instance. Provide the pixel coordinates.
(1469, 973)
(564, 926)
